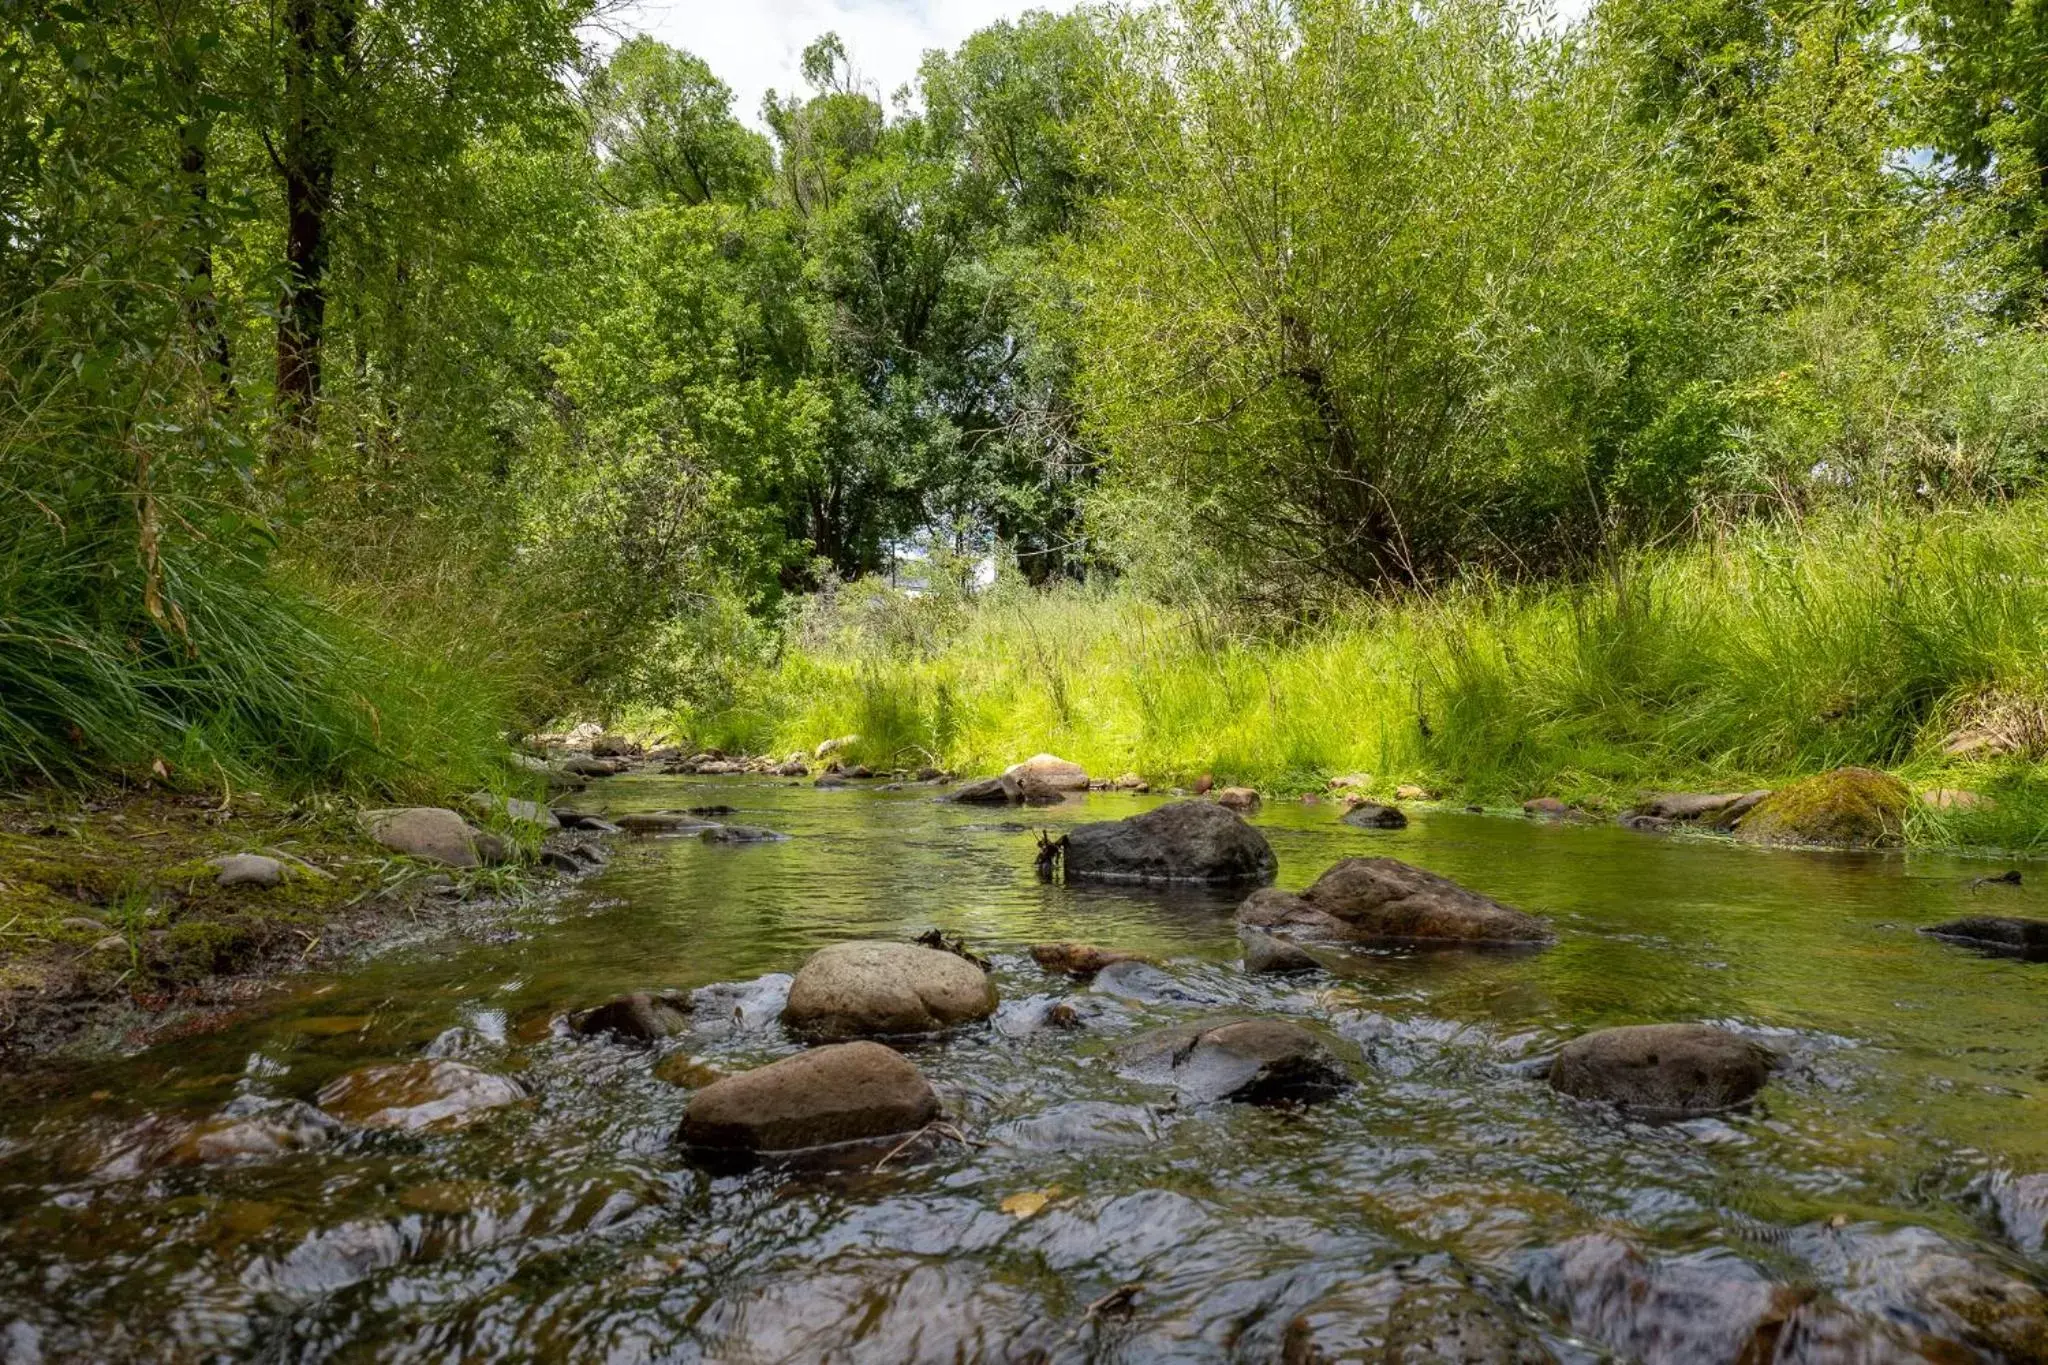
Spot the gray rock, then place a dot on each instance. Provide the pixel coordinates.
(847, 1092)
(1384, 900)
(1187, 841)
(593, 767)
(1663, 1070)
(1373, 815)
(1718, 809)
(1269, 956)
(433, 834)
(515, 809)
(247, 869)
(1251, 1061)
(1148, 985)
(2022, 1205)
(871, 988)
(1708, 1306)
(639, 1017)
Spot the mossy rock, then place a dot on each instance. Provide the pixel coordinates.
(1846, 808)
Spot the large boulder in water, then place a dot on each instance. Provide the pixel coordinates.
(862, 989)
(1846, 808)
(1663, 1070)
(848, 1092)
(1252, 1061)
(1188, 841)
(430, 1093)
(1384, 900)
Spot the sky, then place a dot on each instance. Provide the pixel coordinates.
(757, 45)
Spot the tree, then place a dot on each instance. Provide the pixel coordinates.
(664, 129)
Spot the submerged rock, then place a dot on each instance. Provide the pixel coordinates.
(1663, 1070)
(847, 1092)
(2007, 935)
(1078, 959)
(1269, 956)
(413, 1095)
(1708, 1306)
(1384, 900)
(1422, 1312)
(867, 988)
(741, 834)
(1373, 815)
(1188, 841)
(660, 822)
(1148, 985)
(989, 791)
(433, 834)
(1846, 808)
(1250, 1061)
(639, 1017)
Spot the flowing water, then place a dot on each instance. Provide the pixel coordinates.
(569, 1228)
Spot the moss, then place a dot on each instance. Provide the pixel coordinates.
(1846, 808)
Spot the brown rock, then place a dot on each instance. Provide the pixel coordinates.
(1384, 900)
(869, 988)
(1049, 774)
(1241, 799)
(1663, 1070)
(638, 1017)
(1548, 807)
(1078, 959)
(411, 1095)
(845, 1093)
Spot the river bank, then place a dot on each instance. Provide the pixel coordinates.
(1914, 644)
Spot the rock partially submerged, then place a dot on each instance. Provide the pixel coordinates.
(1386, 901)
(1373, 815)
(741, 834)
(1250, 1061)
(1078, 959)
(1265, 955)
(430, 1094)
(872, 988)
(1242, 799)
(433, 834)
(1420, 1312)
(1664, 1070)
(1047, 774)
(2006, 935)
(1187, 841)
(849, 1092)
(638, 1017)
(1846, 808)
(661, 822)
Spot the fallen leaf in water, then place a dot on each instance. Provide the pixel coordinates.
(1030, 1202)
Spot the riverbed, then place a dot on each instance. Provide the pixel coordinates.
(569, 1227)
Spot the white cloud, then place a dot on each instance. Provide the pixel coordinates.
(757, 45)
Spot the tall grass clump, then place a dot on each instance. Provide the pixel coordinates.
(1767, 652)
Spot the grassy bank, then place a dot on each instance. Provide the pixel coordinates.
(1758, 656)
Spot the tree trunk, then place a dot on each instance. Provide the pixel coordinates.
(318, 38)
(202, 307)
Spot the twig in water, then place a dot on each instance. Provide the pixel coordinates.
(946, 1130)
(1117, 1300)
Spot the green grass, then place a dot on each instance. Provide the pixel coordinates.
(1765, 654)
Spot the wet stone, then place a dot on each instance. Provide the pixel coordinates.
(638, 1017)
(728, 1007)
(874, 988)
(1373, 815)
(741, 834)
(1663, 1070)
(846, 1092)
(1190, 841)
(1384, 900)
(1078, 959)
(660, 822)
(1419, 1313)
(1266, 955)
(1251, 1061)
(1149, 985)
(426, 1094)
(2004, 935)
(1709, 1306)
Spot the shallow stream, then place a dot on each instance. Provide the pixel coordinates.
(569, 1228)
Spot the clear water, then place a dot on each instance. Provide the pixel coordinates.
(570, 1229)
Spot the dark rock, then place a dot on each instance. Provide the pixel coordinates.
(862, 989)
(638, 1017)
(2006, 935)
(1194, 841)
(740, 834)
(1373, 815)
(1266, 955)
(1663, 1070)
(593, 767)
(1647, 824)
(660, 822)
(848, 1092)
(613, 746)
(831, 780)
(1384, 900)
(410, 1095)
(1078, 959)
(571, 819)
(2009, 877)
(1846, 808)
(1251, 1061)
(989, 791)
